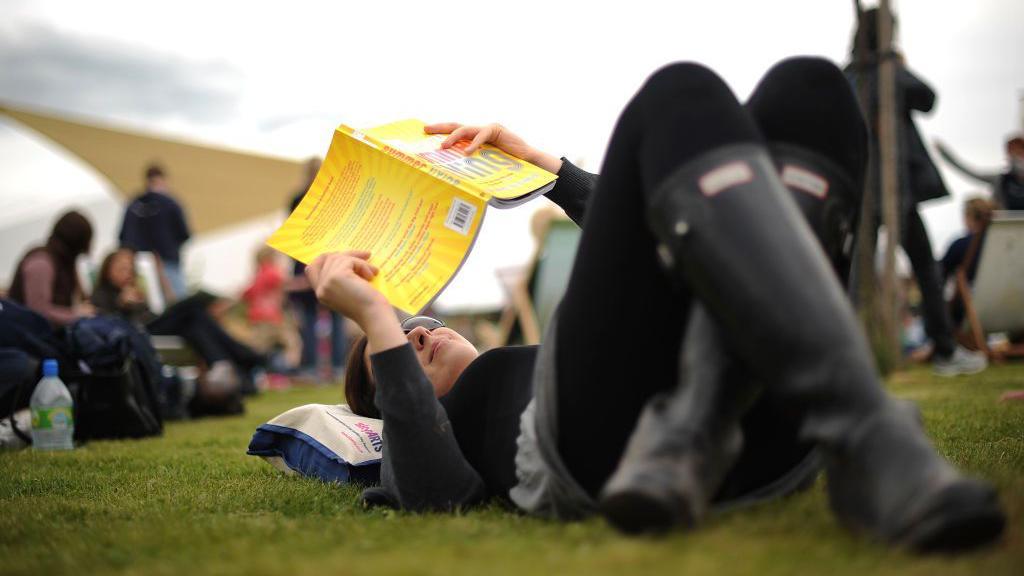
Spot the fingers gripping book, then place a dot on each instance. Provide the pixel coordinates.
(391, 190)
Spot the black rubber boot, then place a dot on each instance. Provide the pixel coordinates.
(884, 476)
(730, 230)
(684, 442)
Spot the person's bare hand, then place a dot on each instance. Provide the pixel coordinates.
(496, 135)
(341, 281)
(84, 309)
(130, 296)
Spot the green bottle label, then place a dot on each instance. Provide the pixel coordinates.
(59, 418)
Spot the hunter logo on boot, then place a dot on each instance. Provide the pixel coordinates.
(805, 181)
(724, 177)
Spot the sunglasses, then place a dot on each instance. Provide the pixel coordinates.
(413, 322)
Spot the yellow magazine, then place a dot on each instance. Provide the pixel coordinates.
(392, 191)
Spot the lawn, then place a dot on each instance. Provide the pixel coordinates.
(193, 502)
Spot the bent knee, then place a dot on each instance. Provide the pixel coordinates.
(679, 81)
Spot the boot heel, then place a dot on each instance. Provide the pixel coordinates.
(634, 511)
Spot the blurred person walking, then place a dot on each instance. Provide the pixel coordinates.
(155, 222)
(919, 181)
(46, 279)
(308, 309)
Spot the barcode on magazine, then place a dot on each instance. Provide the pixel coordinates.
(460, 216)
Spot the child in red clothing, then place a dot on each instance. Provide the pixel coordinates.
(265, 298)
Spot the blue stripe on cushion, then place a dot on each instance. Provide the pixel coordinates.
(308, 457)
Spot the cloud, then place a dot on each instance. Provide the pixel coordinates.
(40, 66)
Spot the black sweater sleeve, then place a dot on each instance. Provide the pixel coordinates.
(572, 190)
(423, 467)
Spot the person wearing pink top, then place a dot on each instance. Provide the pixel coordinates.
(45, 279)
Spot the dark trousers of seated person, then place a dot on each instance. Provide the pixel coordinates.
(210, 341)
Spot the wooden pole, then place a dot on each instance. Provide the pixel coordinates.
(864, 291)
(889, 154)
(864, 282)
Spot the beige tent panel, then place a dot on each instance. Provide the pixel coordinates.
(216, 187)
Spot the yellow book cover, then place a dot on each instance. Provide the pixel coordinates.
(387, 190)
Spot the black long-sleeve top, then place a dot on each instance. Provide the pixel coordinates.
(461, 449)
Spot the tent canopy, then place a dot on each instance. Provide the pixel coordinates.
(216, 187)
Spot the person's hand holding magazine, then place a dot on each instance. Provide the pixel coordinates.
(341, 281)
(496, 135)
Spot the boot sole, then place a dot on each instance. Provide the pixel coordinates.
(636, 512)
(964, 518)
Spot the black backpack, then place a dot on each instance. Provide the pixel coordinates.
(115, 380)
(107, 364)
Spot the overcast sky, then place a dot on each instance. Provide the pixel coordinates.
(277, 77)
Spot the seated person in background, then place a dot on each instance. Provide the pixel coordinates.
(117, 292)
(46, 280)
(264, 300)
(967, 249)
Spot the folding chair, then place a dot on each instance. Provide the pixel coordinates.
(995, 303)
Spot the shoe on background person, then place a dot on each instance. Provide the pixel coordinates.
(960, 363)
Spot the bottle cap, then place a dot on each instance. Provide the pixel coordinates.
(49, 368)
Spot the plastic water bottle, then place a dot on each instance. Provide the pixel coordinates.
(53, 423)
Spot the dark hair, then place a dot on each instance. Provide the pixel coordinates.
(359, 387)
(103, 279)
(979, 209)
(154, 171)
(71, 237)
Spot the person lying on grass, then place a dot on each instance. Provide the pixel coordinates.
(704, 354)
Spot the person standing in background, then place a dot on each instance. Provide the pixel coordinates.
(155, 222)
(919, 181)
(308, 309)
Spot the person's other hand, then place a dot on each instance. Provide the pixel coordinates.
(341, 281)
(130, 296)
(496, 135)
(84, 310)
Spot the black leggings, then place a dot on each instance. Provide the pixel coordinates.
(622, 318)
(621, 322)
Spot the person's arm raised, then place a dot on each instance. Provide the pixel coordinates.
(573, 187)
(423, 467)
(341, 281)
(498, 136)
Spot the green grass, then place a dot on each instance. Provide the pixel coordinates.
(193, 502)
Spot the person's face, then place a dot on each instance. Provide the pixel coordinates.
(442, 353)
(122, 270)
(157, 184)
